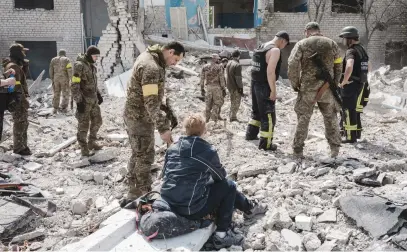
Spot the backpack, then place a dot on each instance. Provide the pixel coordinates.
(155, 220)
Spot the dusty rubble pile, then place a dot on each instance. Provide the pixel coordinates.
(356, 202)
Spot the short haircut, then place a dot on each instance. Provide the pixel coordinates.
(195, 125)
(235, 53)
(177, 46)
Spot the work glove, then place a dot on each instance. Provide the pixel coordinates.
(224, 92)
(80, 106)
(100, 98)
(240, 91)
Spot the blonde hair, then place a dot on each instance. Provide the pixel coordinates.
(195, 125)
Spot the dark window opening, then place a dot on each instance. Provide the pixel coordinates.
(34, 4)
(232, 13)
(347, 6)
(40, 55)
(290, 6)
(396, 55)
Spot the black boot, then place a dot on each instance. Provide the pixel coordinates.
(263, 145)
(252, 132)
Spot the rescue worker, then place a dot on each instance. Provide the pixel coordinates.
(86, 94)
(305, 79)
(355, 88)
(142, 114)
(60, 72)
(213, 75)
(19, 104)
(6, 81)
(223, 62)
(234, 84)
(266, 64)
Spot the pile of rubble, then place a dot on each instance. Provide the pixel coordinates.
(356, 202)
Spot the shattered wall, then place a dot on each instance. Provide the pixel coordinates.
(62, 24)
(122, 41)
(331, 25)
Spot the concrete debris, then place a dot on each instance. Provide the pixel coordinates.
(4, 157)
(103, 156)
(117, 137)
(32, 166)
(86, 176)
(35, 246)
(342, 237)
(78, 207)
(328, 216)
(322, 171)
(374, 214)
(362, 173)
(311, 242)
(316, 211)
(59, 191)
(293, 239)
(303, 222)
(83, 163)
(251, 171)
(98, 177)
(327, 246)
(288, 168)
(279, 218)
(329, 184)
(100, 202)
(28, 236)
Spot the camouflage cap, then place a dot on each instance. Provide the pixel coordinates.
(17, 47)
(215, 56)
(312, 26)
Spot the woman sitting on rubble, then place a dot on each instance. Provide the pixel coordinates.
(195, 184)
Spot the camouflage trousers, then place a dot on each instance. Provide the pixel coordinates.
(61, 86)
(88, 122)
(235, 99)
(304, 107)
(141, 138)
(214, 100)
(20, 125)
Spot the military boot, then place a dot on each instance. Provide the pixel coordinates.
(252, 132)
(334, 152)
(298, 154)
(85, 151)
(92, 145)
(54, 111)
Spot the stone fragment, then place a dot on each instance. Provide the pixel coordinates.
(293, 192)
(76, 223)
(100, 202)
(341, 170)
(98, 177)
(288, 168)
(112, 207)
(316, 211)
(117, 137)
(28, 236)
(341, 236)
(293, 239)
(361, 173)
(251, 171)
(385, 179)
(59, 191)
(396, 165)
(328, 216)
(8, 158)
(32, 166)
(279, 218)
(235, 248)
(35, 246)
(311, 242)
(103, 156)
(86, 176)
(303, 222)
(369, 182)
(82, 163)
(322, 171)
(311, 171)
(329, 184)
(78, 207)
(328, 246)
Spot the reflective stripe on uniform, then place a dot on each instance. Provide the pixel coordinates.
(76, 79)
(359, 105)
(338, 60)
(69, 65)
(366, 99)
(254, 123)
(348, 127)
(268, 134)
(150, 89)
(18, 82)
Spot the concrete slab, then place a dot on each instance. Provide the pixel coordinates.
(118, 233)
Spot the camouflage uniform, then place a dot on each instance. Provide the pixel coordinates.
(215, 89)
(302, 73)
(19, 110)
(86, 94)
(142, 114)
(60, 72)
(235, 86)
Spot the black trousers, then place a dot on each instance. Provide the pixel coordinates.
(349, 120)
(263, 115)
(5, 99)
(362, 101)
(224, 198)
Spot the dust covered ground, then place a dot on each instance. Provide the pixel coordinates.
(87, 192)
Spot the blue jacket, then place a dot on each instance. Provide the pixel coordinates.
(191, 166)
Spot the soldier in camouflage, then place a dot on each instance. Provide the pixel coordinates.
(19, 104)
(86, 94)
(303, 74)
(60, 72)
(215, 93)
(234, 84)
(146, 110)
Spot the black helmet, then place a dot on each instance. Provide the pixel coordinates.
(349, 32)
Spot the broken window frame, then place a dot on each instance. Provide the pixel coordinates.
(34, 4)
(339, 7)
(283, 3)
